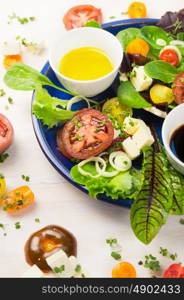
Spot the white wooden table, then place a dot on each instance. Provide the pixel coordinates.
(57, 201)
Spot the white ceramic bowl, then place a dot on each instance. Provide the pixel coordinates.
(173, 120)
(86, 37)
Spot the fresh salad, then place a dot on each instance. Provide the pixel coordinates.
(104, 139)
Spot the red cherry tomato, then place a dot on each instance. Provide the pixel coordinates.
(79, 15)
(174, 271)
(88, 133)
(6, 133)
(170, 56)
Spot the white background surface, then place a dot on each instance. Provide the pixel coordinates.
(58, 202)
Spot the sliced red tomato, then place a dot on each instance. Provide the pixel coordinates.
(79, 15)
(174, 271)
(88, 133)
(170, 56)
(6, 133)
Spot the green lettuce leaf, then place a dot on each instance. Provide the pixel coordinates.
(149, 211)
(49, 109)
(122, 186)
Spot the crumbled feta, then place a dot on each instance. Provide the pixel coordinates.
(130, 147)
(140, 80)
(131, 125)
(143, 136)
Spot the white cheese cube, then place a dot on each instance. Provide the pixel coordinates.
(143, 137)
(116, 133)
(131, 125)
(33, 272)
(130, 147)
(140, 80)
(61, 260)
(10, 48)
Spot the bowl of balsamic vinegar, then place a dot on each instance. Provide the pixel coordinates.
(173, 137)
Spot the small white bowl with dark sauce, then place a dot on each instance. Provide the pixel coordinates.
(173, 137)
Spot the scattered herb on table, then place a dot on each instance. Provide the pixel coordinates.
(3, 157)
(26, 178)
(25, 42)
(37, 220)
(165, 252)
(10, 100)
(17, 225)
(182, 221)
(2, 226)
(111, 241)
(152, 263)
(6, 107)
(112, 17)
(116, 255)
(21, 20)
(1, 176)
(2, 93)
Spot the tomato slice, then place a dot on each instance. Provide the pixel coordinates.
(17, 199)
(6, 133)
(173, 271)
(88, 133)
(178, 88)
(170, 56)
(79, 15)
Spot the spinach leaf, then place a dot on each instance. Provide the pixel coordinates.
(148, 212)
(177, 184)
(127, 35)
(50, 109)
(128, 95)
(161, 70)
(152, 33)
(24, 78)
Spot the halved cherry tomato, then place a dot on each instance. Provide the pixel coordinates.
(124, 270)
(10, 60)
(170, 56)
(88, 133)
(6, 133)
(178, 88)
(17, 199)
(138, 46)
(2, 185)
(137, 10)
(79, 15)
(174, 271)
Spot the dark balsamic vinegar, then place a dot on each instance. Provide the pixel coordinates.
(177, 142)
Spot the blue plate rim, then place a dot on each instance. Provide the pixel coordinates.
(37, 126)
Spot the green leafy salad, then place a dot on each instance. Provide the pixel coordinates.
(104, 139)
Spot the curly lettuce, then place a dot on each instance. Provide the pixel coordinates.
(122, 186)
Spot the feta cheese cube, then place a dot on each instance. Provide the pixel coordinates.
(130, 147)
(33, 272)
(143, 136)
(57, 260)
(131, 125)
(140, 80)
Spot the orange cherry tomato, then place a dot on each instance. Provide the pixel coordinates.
(170, 56)
(10, 60)
(124, 270)
(137, 10)
(79, 15)
(174, 271)
(17, 199)
(138, 46)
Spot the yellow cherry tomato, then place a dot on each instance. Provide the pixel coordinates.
(137, 10)
(17, 199)
(124, 270)
(138, 46)
(161, 93)
(112, 108)
(2, 185)
(10, 60)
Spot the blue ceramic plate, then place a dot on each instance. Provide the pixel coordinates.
(47, 137)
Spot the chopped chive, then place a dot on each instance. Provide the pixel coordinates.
(2, 93)
(78, 268)
(26, 178)
(115, 255)
(37, 220)
(10, 100)
(17, 225)
(3, 157)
